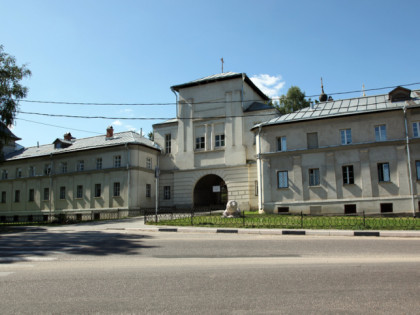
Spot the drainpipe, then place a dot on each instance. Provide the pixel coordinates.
(260, 174)
(128, 176)
(176, 101)
(157, 171)
(242, 91)
(50, 188)
(407, 145)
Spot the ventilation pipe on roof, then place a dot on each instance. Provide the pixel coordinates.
(109, 132)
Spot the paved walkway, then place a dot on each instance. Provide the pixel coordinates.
(137, 224)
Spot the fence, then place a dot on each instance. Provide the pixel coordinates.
(290, 221)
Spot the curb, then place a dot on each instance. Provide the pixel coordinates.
(399, 233)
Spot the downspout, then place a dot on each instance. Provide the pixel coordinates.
(242, 91)
(407, 144)
(260, 174)
(128, 176)
(157, 171)
(176, 101)
(50, 188)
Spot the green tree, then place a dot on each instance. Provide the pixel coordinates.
(11, 90)
(151, 136)
(294, 100)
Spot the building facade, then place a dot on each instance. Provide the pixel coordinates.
(345, 156)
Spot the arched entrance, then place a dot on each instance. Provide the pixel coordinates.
(210, 191)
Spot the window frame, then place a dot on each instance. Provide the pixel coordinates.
(31, 195)
(117, 161)
(346, 136)
(79, 192)
(200, 143)
(417, 164)
(62, 195)
(383, 171)
(348, 174)
(219, 140)
(80, 165)
(117, 189)
(148, 190)
(416, 129)
(17, 195)
(284, 180)
(3, 197)
(166, 192)
(314, 177)
(46, 195)
(64, 168)
(99, 163)
(380, 133)
(149, 163)
(281, 144)
(98, 191)
(312, 136)
(168, 143)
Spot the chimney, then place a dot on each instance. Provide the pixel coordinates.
(109, 132)
(67, 136)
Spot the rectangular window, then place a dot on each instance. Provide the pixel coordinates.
(79, 192)
(314, 179)
(148, 190)
(31, 195)
(282, 179)
(47, 169)
(80, 165)
(46, 194)
(117, 161)
(256, 187)
(200, 143)
(418, 169)
(383, 172)
(99, 163)
(97, 190)
(416, 129)
(386, 207)
(17, 195)
(312, 139)
(345, 136)
(116, 189)
(166, 192)
(149, 163)
(62, 192)
(380, 133)
(18, 173)
(3, 197)
(219, 141)
(63, 167)
(281, 144)
(31, 171)
(4, 174)
(348, 175)
(350, 209)
(168, 143)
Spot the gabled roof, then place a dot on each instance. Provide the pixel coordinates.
(256, 106)
(353, 106)
(221, 77)
(121, 138)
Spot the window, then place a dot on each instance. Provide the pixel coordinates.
(31, 171)
(117, 161)
(116, 189)
(168, 143)
(149, 163)
(281, 144)
(80, 165)
(386, 207)
(18, 173)
(4, 174)
(416, 129)
(62, 192)
(282, 209)
(97, 190)
(148, 190)
(418, 169)
(47, 169)
(31, 195)
(256, 187)
(312, 139)
(350, 209)
(17, 195)
(380, 133)
(314, 179)
(79, 192)
(219, 141)
(282, 179)
(383, 172)
(99, 163)
(63, 167)
(345, 136)
(3, 197)
(166, 192)
(199, 143)
(348, 175)
(46, 194)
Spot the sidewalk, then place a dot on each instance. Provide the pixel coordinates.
(137, 224)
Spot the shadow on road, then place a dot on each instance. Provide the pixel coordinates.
(39, 242)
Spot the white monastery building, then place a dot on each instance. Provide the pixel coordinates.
(227, 143)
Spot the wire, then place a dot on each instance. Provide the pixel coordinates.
(67, 128)
(204, 102)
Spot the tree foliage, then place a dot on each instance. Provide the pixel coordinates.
(294, 100)
(11, 90)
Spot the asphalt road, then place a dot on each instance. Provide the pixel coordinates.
(125, 272)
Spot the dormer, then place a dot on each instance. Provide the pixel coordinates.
(64, 143)
(399, 94)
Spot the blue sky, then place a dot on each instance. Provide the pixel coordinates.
(132, 52)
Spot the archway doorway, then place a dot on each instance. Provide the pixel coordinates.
(210, 191)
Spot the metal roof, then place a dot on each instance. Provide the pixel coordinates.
(221, 77)
(256, 106)
(353, 106)
(121, 138)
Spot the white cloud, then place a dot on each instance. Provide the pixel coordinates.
(270, 85)
(117, 123)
